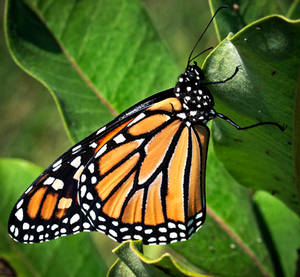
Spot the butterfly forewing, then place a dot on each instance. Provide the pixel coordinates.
(49, 208)
(147, 181)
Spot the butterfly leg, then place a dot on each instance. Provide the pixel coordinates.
(224, 81)
(282, 128)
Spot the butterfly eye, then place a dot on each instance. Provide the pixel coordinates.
(191, 75)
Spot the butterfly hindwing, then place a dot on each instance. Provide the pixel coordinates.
(49, 208)
(147, 181)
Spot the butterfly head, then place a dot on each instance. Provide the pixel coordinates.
(197, 101)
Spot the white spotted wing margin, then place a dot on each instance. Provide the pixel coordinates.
(49, 208)
(148, 184)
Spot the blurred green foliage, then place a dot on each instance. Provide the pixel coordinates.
(241, 235)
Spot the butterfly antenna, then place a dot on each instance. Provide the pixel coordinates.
(190, 59)
(210, 48)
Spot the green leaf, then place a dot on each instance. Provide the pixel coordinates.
(263, 90)
(75, 49)
(69, 256)
(240, 13)
(230, 241)
(92, 57)
(283, 226)
(133, 262)
(297, 136)
(294, 10)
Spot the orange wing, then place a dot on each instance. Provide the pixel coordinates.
(49, 208)
(147, 180)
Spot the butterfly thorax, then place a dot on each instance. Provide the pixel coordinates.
(195, 97)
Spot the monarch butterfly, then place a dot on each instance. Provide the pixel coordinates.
(140, 177)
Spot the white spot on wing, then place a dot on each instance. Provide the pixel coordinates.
(119, 138)
(83, 178)
(57, 163)
(58, 184)
(93, 145)
(49, 181)
(91, 168)
(89, 196)
(101, 151)
(82, 191)
(74, 219)
(26, 226)
(76, 162)
(138, 118)
(93, 215)
(54, 226)
(40, 228)
(101, 130)
(171, 225)
(173, 235)
(78, 173)
(102, 227)
(138, 228)
(199, 215)
(86, 225)
(76, 148)
(20, 203)
(94, 180)
(113, 233)
(162, 229)
(19, 214)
